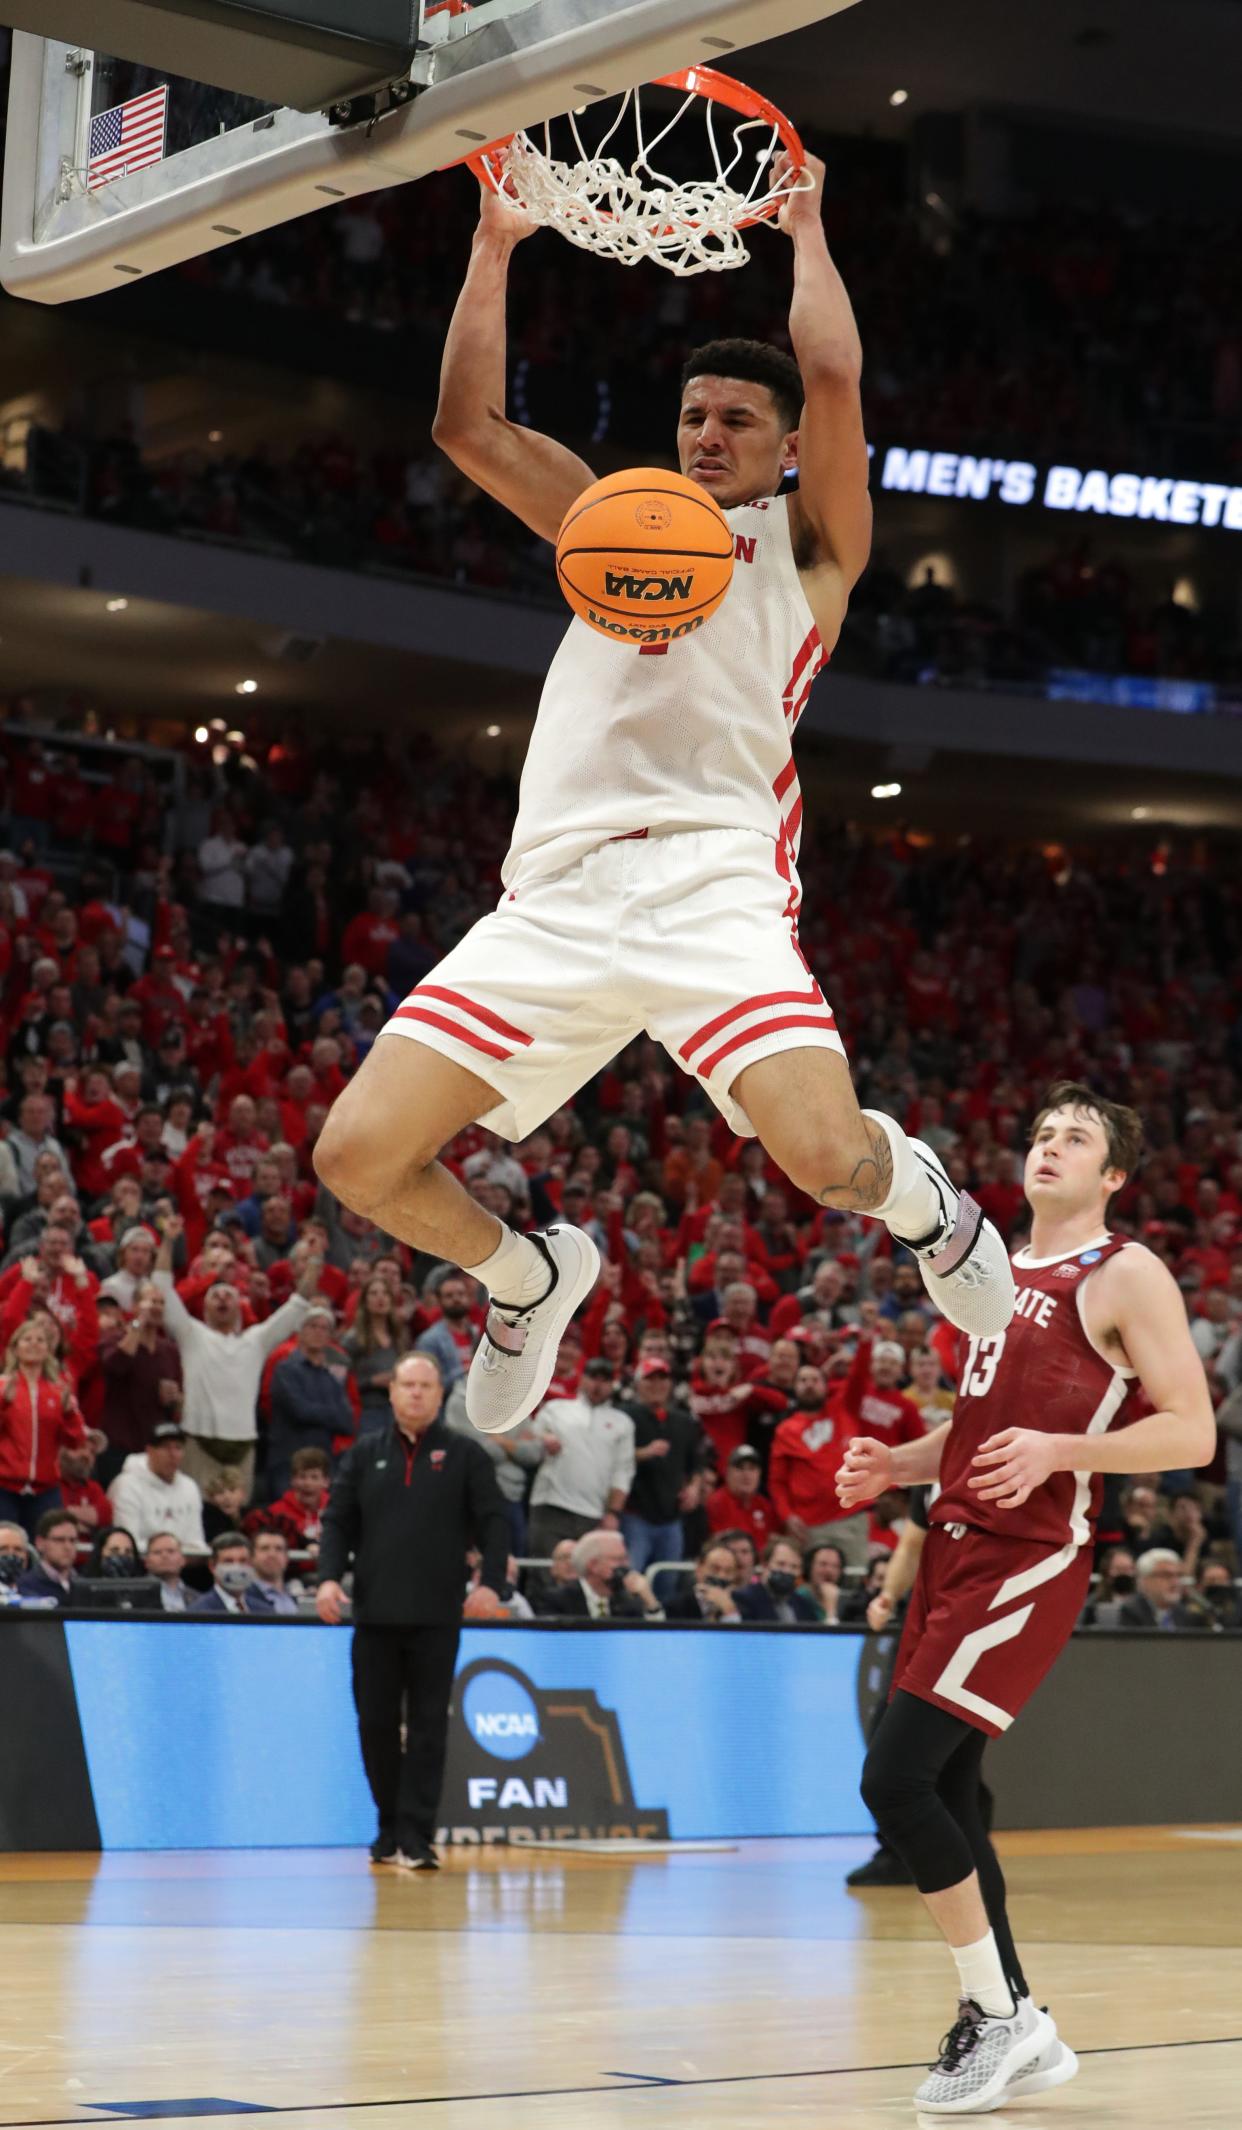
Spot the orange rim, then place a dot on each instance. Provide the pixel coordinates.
(696, 81)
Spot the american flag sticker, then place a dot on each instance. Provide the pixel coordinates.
(127, 138)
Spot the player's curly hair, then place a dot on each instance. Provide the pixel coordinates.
(759, 364)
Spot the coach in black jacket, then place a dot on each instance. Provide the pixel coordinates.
(406, 1504)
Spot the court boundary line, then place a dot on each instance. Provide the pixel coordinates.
(641, 2083)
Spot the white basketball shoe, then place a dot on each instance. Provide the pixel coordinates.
(1055, 2065)
(964, 1263)
(516, 1355)
(982, 2058)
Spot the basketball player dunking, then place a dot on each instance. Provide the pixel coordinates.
(651, 882)
(1005, 1569)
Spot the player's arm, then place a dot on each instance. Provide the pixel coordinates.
(1137, 1310)
(869, 1468)
(831, 511)
(899, 1575)
(532, 475)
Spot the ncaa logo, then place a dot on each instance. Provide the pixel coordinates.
(1090, 1257)
(500, 1715)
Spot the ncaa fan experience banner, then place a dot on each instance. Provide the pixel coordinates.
(183, 1734)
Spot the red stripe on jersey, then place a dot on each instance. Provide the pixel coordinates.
(805, 697)
(464, 1035)
(467, 1005)
(823, 1020)
(785, 779)
(813, 997)
(809, 645)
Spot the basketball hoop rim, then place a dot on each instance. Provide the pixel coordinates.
(713, 87)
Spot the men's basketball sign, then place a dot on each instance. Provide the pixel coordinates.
(642, 540)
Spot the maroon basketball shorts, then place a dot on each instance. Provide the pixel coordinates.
(988, 1618)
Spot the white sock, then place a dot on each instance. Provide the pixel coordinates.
(912, 1208)
(515, 1273)
(983, 1977)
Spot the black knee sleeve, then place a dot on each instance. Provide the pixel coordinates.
(899, 1791)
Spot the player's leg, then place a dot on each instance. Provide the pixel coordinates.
(997, 2036)
(504, 1031)
(960, 1787)
(736, 1006)
(802, 1105)
(378, 1150)
(968, 1798)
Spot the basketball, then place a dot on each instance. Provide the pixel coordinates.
(645, 556)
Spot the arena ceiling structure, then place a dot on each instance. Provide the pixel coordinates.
(1165, 64)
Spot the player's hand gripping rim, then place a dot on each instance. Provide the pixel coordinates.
(1018, 1459)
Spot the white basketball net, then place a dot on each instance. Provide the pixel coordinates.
(634, 212)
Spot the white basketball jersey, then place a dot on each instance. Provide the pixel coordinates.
(690, 734)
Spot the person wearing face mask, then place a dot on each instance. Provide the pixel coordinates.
(775, 1597)
(14, 1562)
(605, 1585)
(712, 1594)
(1217, 1592)
(232, 1575)
(1117, 1583)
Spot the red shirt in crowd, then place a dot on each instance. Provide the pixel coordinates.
(888, 1415)
(807, 1453)
(753, 1513)
(34, 1430)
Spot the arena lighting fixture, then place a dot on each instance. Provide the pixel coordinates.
(899, 96)
(216, 725)
(886, 791)
(1138, 813)
(493, 732)
(116, 606)
(235, 739)
(202, 735)
(247, 687)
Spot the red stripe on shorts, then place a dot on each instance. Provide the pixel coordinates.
(823, 1020)
(464, 1035)
(813, 997)
(467, 1005)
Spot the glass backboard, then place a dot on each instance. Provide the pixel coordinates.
(114, 171)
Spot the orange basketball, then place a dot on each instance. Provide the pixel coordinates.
(645, 556)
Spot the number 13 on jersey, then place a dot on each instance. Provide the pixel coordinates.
(982, 1361)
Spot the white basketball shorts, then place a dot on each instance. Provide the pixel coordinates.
(689, 936)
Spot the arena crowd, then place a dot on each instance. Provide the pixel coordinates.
(193, 1330)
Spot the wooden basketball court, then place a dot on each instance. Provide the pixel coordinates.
(524, 1990)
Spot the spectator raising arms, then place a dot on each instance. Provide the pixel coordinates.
(223, 1364)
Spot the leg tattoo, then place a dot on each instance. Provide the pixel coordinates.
(869, 1181)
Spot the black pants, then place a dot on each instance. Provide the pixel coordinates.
(921, 1780)
(414, 1665)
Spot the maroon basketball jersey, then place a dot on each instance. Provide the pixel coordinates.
(1043, 1373)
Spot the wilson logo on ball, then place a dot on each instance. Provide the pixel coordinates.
(619, 584)
(638, 632)
(653, 517)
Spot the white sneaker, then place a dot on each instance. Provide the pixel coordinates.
(1055, 2065)
(516, 1355)
(964, 1263)
(981, 2057)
